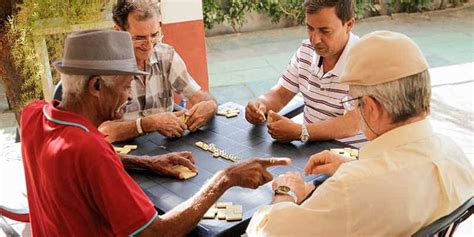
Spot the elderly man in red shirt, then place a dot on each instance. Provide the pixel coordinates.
(76, 183)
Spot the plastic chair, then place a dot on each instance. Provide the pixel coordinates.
(58, 91)
(446, 225)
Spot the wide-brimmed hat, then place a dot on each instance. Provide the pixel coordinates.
(382, 56)
(99, 52)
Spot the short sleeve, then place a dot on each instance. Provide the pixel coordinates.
(289, 78)
(181, 81)
(116, 195)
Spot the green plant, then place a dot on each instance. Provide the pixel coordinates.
(30, 17)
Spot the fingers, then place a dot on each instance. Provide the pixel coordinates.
(179, 113)
(185, 162)
(253, 114)
(314, 161)
(274, 161)
(187, 155)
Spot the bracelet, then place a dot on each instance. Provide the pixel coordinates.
(138, 122)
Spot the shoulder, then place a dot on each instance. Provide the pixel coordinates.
(32, 111)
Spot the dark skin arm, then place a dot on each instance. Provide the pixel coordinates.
(183, 218)
(160, 164)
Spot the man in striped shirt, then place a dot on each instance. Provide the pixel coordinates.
(314, 71)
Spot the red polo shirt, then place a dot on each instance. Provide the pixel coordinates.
(76, 183)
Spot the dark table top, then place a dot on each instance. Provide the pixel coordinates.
(237, 137)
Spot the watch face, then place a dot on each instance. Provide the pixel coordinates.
(304, 138)
(283, 189)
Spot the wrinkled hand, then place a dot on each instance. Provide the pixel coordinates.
(162, 164)
(253, 112)
(296, 183)
(283, 129)
(168, 124)
(324, 162)
(252, 173)
(200, 114)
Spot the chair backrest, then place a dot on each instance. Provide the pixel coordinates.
(22, 215)
(58, 91)
(446, 225)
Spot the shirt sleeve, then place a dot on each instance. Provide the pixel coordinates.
(323, 214)
(117, 197)
(181, 81)
(289, 78)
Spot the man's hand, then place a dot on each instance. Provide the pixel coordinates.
(168, 124)
(254, 112)
(283, 129)
(252, 173)
(162, 164)
(296, 183)
(324, 162)
(200, 114)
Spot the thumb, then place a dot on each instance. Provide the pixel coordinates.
(275, 116)
(179, 113)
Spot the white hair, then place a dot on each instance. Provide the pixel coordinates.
(75, 85)
(402, 99)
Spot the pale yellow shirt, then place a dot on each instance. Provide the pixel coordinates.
(403, 180)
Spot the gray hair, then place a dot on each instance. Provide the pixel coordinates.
(403, 98)
(74, 85)
(145, 8)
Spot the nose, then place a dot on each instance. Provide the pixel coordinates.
(315, 38)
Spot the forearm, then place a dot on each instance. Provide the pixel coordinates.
(277, 98)
(182, 219)
(334, 128)
(201, 96)
(131, 161)
(119, 130)
(282, 198)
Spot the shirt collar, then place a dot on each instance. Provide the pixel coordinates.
(153, 59)
(66, 118)
(397, 137)
(341, 62)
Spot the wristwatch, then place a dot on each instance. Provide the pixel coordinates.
(285, 190)
(304, 137)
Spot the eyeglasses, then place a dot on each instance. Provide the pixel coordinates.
(153, 40)
(349, 103)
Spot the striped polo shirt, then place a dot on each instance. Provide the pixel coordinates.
(322, 92)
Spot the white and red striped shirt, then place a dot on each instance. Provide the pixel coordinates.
(322, 92)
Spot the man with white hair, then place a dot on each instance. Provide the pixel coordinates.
(76, 183)
(406, 177)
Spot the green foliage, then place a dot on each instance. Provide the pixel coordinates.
(233, 11)
(30, 17)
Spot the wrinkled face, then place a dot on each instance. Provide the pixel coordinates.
(145, 35)
(328, 35)
(115, 96)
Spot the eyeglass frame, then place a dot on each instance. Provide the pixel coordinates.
(349, 106)
(153, 40)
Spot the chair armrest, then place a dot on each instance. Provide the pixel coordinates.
(22, 215)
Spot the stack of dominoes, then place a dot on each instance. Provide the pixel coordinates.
(126, 149)
(228, 112)
(346, 152)
(224, 211)
(216, 153)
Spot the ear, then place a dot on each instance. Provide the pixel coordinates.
(373, 111)
(95, 85)
(117, 28)
(350, 24)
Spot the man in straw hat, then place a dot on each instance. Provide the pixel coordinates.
(406, 176)
(76, 183)
(151, 108)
